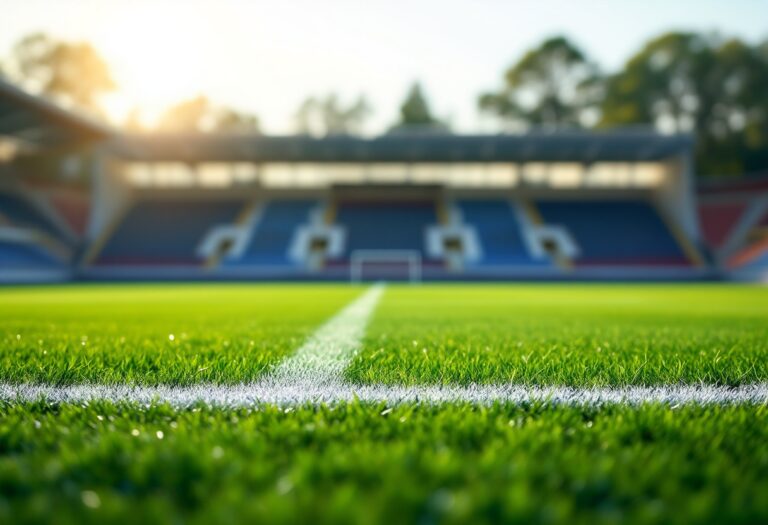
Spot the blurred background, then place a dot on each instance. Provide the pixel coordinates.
(553, 139)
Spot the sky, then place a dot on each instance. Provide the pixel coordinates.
(266, 57)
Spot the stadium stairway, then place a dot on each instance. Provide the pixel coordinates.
(535, 221)
(498, 227)
(748, 228)
(330, 210)
(692, 252)
(94, 248)
(272, 234)
(442, 212)
(243, 227)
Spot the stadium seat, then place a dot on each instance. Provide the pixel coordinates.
(377, 225)
(165, 232)
(272, 235)
(26, 256)
(22, 213)
(615, 232)
(499, 232)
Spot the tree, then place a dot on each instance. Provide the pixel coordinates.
(688, 82)
(70, 71)
(415, 109)
(660, 84)
(554, 86)
(327, 116)
(200, 115)
(232, 121)
(415, 112)
(762, 50)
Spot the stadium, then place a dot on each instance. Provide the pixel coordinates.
(613, 205)
(560, 324)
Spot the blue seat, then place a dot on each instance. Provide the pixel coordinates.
(385, 226)
(615, 232)
(272, 236)
(499, 233)
(166, 231)
(22, 213)
(16, 255)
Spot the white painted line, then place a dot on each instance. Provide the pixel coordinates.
(315, 375)
(324, 357)
(245, 395)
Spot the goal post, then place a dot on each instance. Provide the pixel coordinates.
(386, 260)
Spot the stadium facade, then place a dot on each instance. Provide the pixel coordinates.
(608, 205)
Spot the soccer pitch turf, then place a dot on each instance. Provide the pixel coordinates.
(372, 459)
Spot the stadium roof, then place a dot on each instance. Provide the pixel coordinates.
(36, 121)
(415, 147)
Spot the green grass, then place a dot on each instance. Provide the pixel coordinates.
(575, 335)
(122, 333)
(367, 464)
(357, 463)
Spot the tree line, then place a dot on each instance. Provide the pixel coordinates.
(713, 87)
(678, 82)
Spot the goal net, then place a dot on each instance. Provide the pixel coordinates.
(378, 265)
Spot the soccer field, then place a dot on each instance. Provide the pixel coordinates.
(339, 403)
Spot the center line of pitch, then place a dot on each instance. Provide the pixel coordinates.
(321, 361)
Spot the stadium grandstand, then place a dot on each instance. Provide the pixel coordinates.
(734, 221)
(561, 205)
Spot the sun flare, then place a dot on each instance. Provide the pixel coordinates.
(157, 54)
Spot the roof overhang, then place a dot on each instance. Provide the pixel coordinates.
(39, 124)
(586, 147)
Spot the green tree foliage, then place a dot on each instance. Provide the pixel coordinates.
(415, 113)
(321, 116)
(73, 72)
(553, 86)
(688, 82)
(199, 114)
(233, 121)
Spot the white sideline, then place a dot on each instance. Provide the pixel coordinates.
(261, 393)
(315, 375)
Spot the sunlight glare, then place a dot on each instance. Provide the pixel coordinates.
(158, 55)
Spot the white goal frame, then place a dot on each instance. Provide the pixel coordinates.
(359, 257)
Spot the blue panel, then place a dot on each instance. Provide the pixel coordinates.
(166, 232)
(274, 232)
(620, 232)
(386, 226)
(22, 213)
(25, 256)
(499, 233)
(759, 262)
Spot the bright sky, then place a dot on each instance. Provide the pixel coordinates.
(268, 56)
